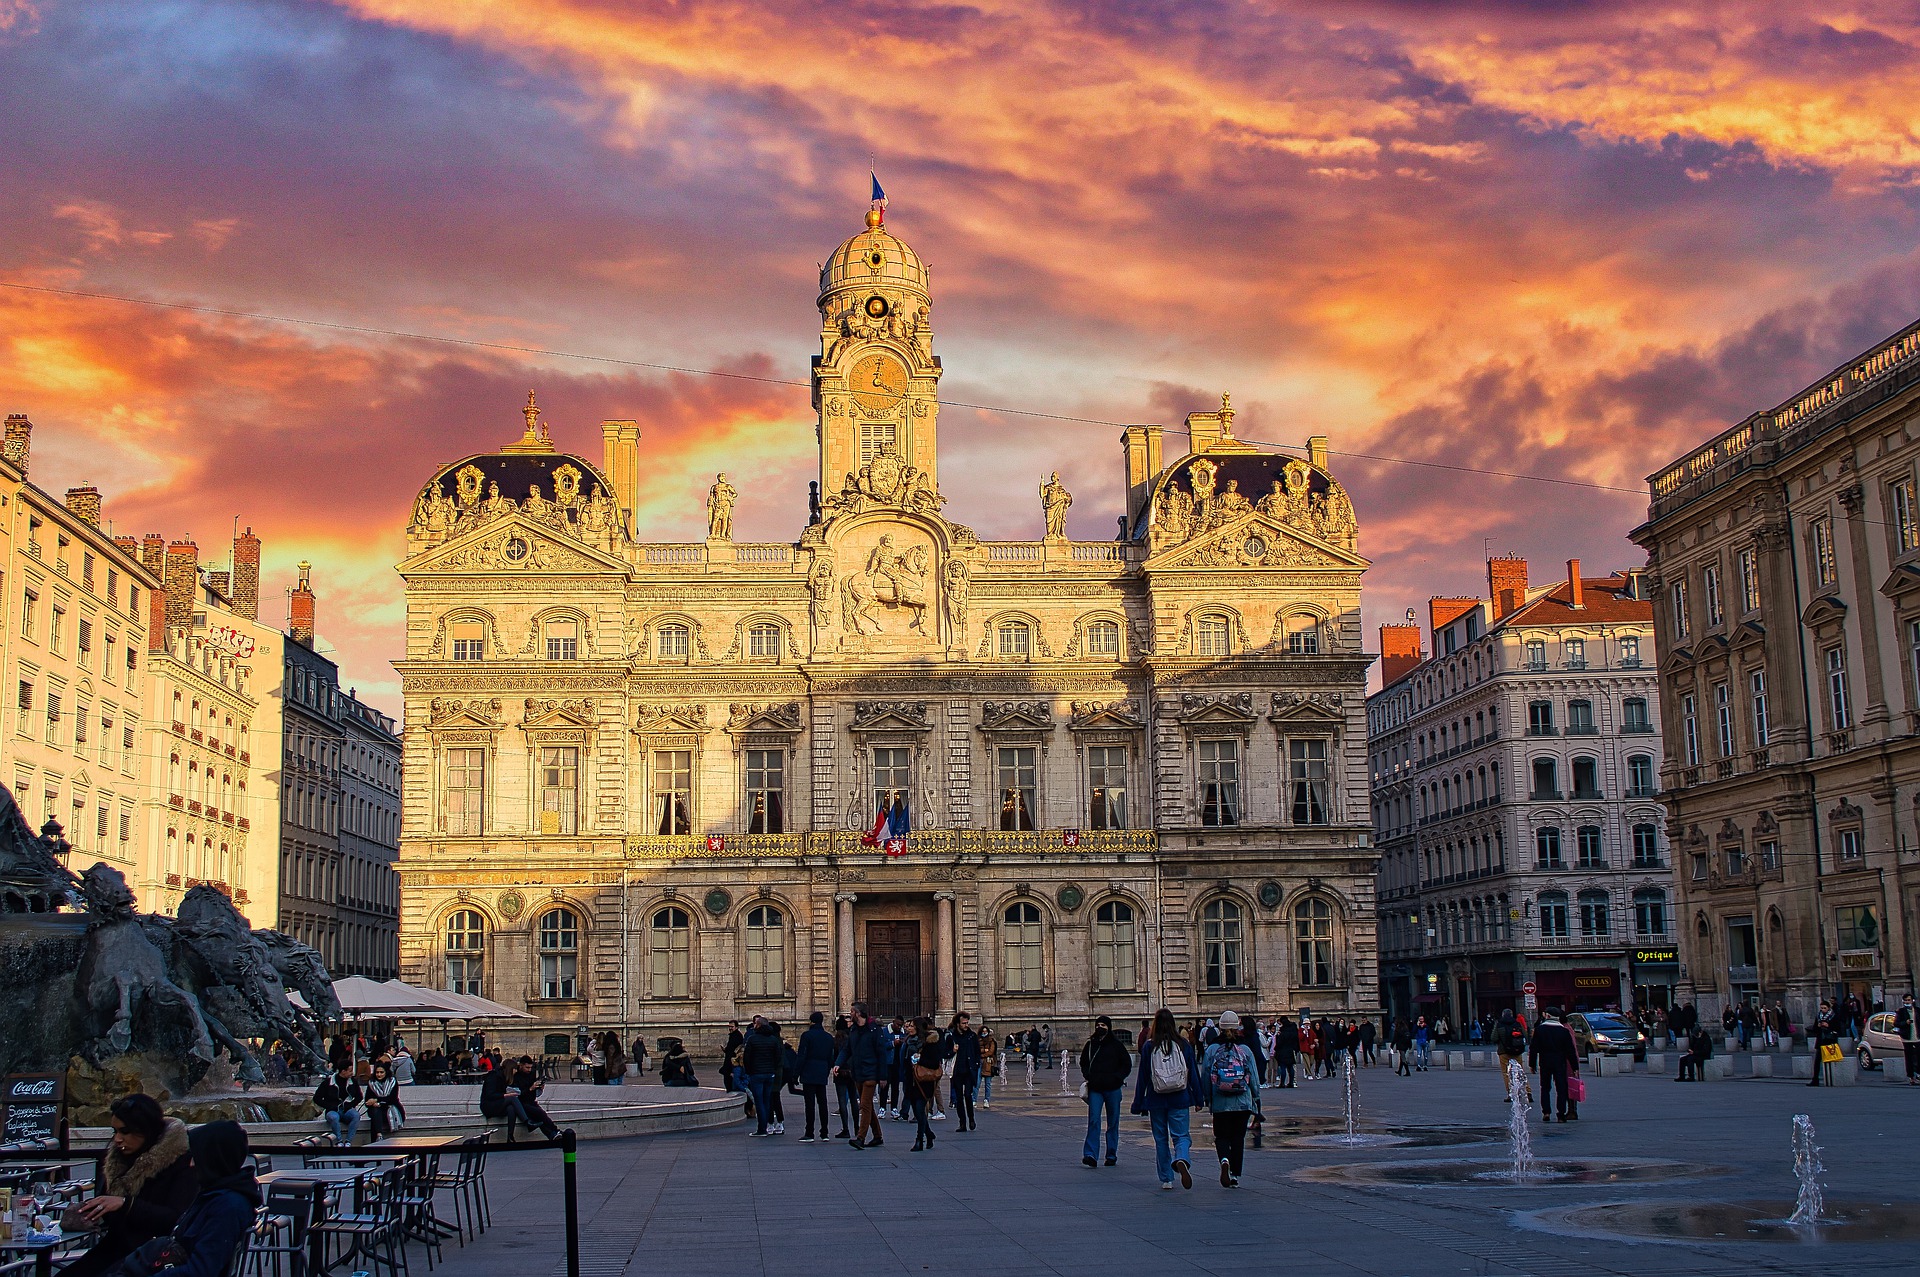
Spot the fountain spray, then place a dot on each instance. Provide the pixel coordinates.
(1807, 1168)
(1519, 1136)
(1353, 1101)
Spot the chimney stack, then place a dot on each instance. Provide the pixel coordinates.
(1576, 592)
(84, 504)
(1506, 586)
(1443, 612)
(621, 453)
(1317, 451)
(246, 575)
(221, 583)
(1399, 650)
(181, 579)
(18, 442)
(300, 615)
(153, 555)
(1141, 444)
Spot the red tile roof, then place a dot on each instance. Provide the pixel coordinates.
(1606, 603)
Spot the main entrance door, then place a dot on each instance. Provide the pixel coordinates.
(893, 969)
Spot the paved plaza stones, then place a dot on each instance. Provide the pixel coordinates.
(1013, 1198)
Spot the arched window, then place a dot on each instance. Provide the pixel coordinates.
(563, 640)
(1020, 947)
(1649, 912)
(1594, 921)
(1113, 950)
(1210, 636)
(466, 947)
(1223, 943)
(763, 641)
(1303, 635)
(1015, 639)
(1313, 941)
(668, 951)
(673, 641)
(766, 953)
(559, 954)
(1103, 638)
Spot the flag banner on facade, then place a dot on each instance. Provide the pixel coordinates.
(716, 842)
(1069, 837)
(896, 846)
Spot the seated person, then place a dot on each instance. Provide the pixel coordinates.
(338, 1099)
(1699, 1050)
(514, 1094)
(676, 1066)
(212, 1228)
(146, 1180)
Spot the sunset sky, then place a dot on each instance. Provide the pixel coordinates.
(1570, 239)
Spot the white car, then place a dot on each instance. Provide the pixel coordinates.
(1879, 1043)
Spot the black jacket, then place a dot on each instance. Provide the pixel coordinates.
(816, 1057)
(676, 1069)
(1104, 1063)
(865, 1058)
(1286, 1042)
(332, 1096)
(1554, 1049)
(760, 1057)
(159, 1183)
(964, 1046)
(493, 1094)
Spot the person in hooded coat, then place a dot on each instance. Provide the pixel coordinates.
(146, 1180)
(212, 1229)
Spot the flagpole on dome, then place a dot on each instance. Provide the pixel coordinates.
(877, 208)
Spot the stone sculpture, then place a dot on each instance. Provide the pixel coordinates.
(720, 499)
(1054, 500)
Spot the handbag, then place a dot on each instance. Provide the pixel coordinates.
(1830, 1053)
(1083, 1090)
(1577, 1089)
(926, 1074)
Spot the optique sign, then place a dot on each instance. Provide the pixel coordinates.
(231, 642)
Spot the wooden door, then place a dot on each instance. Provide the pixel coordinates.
(893, 969)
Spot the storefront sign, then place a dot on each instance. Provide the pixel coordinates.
(1593, 982)
(1656, 957)
(1859, 959)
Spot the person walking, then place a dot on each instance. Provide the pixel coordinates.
(989, 1065)
(925, 1056)
(864, 1062)
(815, 1068)
(1367, 1034)
(1286, 1045)
(1510, 1042)
(1906, 1023)
(843, 1087)
(899, 1072)
(1422, 1044)
(1046, 1046)
(964, 1048)
(1825, 1033)
(1556, 1056)
(1166, 1092)
(1309, 1047)
(760, 1061)
(639, 1054)
(1403, 1047)
(1226, 1076)
(1104, 1064)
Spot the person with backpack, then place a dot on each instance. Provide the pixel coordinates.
(1166, 1091)
(1510, 1040)
(1227, 1084)
(1104, 1063)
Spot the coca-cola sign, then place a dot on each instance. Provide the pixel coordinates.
(33, 1103)
(230, 642)
(32, 1088)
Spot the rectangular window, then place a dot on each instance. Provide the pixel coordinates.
(1640, 776)
(1850, 846)
(1646, 847)
(1594, 921)
(1710, 589)
(1630, 652)
(1219, 782)
(1018, 778)
(763, 642)
(1536, 654)
(1649, 913)
(1580, 718)
(56, 627)
(1825, 570)
(1633, 715)
(559, 789)
(1855, 927)
(126, 826)
(1553, 918)
(53, 718)
(766, 791)
(875, 439)
(1546, 849)
(106, 657)
(26, 700)
(466, 787)
(1682, 626)
(1576, 650)
(29, 605)
(1107, 786)
(1307, 766)
(1749, 581)
(1540, 718)
(1837, 707)
(563, 641)
(1211, 636)
(892, 779)
(1769, 853)
(1690, 729)
(469, 638)
(1906, 529)
(1723, 717)
(1015, 638)
(1592, 853)
(672, 791)
(113, 586)
(86, 640)
(82, 717)
(1699, 859)
(1757, 692)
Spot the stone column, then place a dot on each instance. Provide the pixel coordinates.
(845, 900)
(943, 954)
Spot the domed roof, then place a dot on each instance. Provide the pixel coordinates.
(874, 256)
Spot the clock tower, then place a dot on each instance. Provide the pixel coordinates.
(876, 377)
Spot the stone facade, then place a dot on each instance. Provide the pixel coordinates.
(661, 786)
(1515, 802)
(1786, 555)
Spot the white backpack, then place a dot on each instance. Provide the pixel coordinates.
(1168, 1068)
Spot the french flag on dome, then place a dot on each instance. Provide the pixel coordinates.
(879, 204)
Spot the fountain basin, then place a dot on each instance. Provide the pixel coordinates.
(1553, 1172)
(1749, 1221)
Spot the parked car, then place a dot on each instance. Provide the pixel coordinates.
(1879, 1043)
(1607, 1034)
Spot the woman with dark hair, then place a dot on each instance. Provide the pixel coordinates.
(1167, 1089)
(211, 1230)
(383, 1102)
(923, 1060)
(146, 1180)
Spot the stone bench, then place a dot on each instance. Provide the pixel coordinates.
(1656, 1062)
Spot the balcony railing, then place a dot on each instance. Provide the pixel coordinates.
(921, 842)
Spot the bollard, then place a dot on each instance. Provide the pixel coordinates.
(569, 1183)
(1476, 1059)
(1717, 1069)
(1803, 1067)
(1762, 1065)
(1847, 1072)
(1656, 1062)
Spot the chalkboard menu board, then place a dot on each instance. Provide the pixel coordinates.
(32, 1102)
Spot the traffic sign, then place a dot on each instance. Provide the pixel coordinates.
(1529, 989)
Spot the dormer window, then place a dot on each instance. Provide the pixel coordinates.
(673, 642)
(563, 640)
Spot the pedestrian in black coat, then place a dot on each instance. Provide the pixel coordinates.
(1556, 1056)
(814, 1064)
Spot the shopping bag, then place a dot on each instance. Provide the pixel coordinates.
(1577, 1089)
(1830, 1053)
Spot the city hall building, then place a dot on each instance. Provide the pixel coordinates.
(659, 787)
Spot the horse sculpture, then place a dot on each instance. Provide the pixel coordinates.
(122, 984)
(302, 969)
(892, 578)
(217, 955)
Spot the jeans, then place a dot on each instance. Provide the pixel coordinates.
(816, 1098)
(762, 1086)
(342, 1126)
(529, 1114)
(849, 1105)
(1170, 1141)
(1283, 1071)
(1230, 1137)
(1423, 1054)
(986, 1088)
(1096, 1102)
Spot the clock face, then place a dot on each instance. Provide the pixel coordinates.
(878, 381)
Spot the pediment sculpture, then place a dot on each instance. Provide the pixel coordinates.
(1236, 705)
(657, 717)
(1205, 506)
(1121, 713)
(888, 481)
(1308, 704)
(442, 710)
(539, 710)
(775, 717)
(869, 714)
(589, 516)
(1005, 715)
